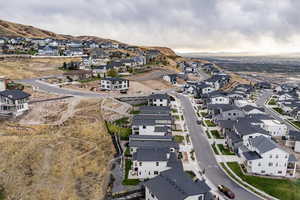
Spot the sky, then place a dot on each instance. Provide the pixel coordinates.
(270, 26)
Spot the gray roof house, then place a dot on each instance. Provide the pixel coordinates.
(176, 185)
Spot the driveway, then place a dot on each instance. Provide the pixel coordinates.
(206, 157)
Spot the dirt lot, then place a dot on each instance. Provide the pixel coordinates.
(59, 150)
(30, 68)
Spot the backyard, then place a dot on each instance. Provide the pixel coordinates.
(279, 188)
(279, 110)
(126, 181)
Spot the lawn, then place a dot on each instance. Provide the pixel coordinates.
(225, 151)
(208, 135)
(89, 80)
(279, 110)
(124, 133)
(279, 188)
(127, 152)
(126, 181)
(135, 112)
(204, 114)
(297, 124)
(210, 123)
(272, 102)
(215, 149)
(174, 111)
(121, 122)
(178, 138)
(216, 134)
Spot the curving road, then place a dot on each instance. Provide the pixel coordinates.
(265, 95)
(205, 155)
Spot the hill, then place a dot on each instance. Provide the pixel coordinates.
(11, 29)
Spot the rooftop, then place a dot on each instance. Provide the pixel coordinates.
(14, 94)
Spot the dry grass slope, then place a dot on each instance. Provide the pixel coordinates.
(66, 161)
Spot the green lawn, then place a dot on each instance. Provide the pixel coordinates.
(216, 134)
(127, 152)
(135, 112)
(215, 149)
(123, 121)
(174, 111)
(210, 123)
(225, 151)
(204, 114)
(280, 188)
(126, 181)
(178, 138)
(279, 110)
(208, 135)
(272, 102)
(296, 123)
(124, 133)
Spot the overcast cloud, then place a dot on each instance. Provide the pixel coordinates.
(184, 25)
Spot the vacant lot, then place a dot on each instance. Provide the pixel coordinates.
(56, 156)
(31, 68)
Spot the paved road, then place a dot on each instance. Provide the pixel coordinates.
(205, 155)
(56, 90)
(265, 95)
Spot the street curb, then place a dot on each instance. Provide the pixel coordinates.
(252, 187)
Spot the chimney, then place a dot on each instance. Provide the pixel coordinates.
(3, 82)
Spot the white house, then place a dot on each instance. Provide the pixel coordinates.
(274, 127)
(159, 100)
(176, 184)
(171, 78)
(13, 102)
(249, 109)
(114, 84)
(219, 99)
(149, 162)
(159, 125)
(264, 157)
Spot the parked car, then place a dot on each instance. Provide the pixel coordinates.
(198, 122)
(226, 191)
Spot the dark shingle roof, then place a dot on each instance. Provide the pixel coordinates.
(251, 155)
(263, 144)
(14, 94)
(151, 154)
(175, 184)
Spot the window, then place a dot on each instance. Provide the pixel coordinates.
(155, 172)
(263, 171)
(270, 156)
(259, 164)
(279, 172)
(144, 127)
(277, 156)
(140, 163)
(157, 163)
(270, 164)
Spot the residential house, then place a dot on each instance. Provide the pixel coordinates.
(48, 51)
(219, 98)
(175, 184)
(152, 141)
(250, 109)
(171, 78)
(263, 156)
(149, 162)
(114, 84)
(293, 141)
(13, 102)
(159, 100)
(144, 124)
(225, 112)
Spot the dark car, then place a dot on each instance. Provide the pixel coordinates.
(198, 122)
(226, 191)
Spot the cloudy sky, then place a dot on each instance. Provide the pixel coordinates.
(184, 25)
